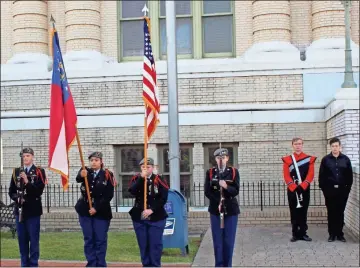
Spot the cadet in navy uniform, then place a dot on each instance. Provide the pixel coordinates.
(33, 180)
(149, 223)
(95, 222)
(229, 179)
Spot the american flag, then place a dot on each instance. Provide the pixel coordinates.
(150, 89)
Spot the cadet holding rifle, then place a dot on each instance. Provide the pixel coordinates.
(221, 188)
(26, 187)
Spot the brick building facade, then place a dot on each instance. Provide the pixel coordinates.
(251, 76)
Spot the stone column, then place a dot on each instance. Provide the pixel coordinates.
(29, 39)
(83, 36)
(82, 22)
(328, 31)
(327, 20)
(6, 31)
(271, 33)
(271, 21)
(30, 27)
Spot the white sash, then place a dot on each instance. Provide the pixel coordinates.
(296, 168)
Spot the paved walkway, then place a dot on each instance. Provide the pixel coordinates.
(270, 246)
(16, 263)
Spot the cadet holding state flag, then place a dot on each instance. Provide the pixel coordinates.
(95, 221)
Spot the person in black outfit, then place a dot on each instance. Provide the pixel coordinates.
(227, 178)
(149, 222)
(335, 181)
(95, 221)
(30, 180)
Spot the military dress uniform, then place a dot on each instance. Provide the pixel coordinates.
(149, 232)
(305, 165)
(223, 239)
(95, 228)
(29, 228)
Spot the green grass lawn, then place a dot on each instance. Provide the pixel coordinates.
(122, 247)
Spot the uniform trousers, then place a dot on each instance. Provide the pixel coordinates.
(95, 240)
(28, 237)
(223, 239)
(335, 201)
(149, 237)
(299, 215)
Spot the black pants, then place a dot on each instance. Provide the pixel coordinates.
(299, 215)
(335, 201)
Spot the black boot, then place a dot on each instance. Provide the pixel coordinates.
(331, 238)
(341, 238)
(293, 239)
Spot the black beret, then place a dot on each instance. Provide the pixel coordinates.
(96, 154)
(149, 161)
(221, 152)
(28, 150)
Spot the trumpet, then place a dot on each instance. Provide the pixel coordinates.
(299, 198)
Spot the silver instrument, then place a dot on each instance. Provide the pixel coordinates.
(298, 181)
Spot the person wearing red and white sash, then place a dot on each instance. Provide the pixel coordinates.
(298, 171)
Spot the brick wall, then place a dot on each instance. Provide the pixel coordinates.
(254, 89)
(244, 24)
(352, 208)
(57, 10)
(355, 21)
(109, 29)
(260, 146)
(301, 33)
(197, 221)
(345, 126)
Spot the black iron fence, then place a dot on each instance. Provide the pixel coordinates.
(259, 194)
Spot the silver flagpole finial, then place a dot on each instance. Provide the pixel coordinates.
(145, 10)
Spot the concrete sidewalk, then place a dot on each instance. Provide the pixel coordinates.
(270, 246)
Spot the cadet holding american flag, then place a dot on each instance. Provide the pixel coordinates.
(150, 190)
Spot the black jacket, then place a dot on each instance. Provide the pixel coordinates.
(212, 190)
(101, 192)
(335, 171)
(157, 196)
(32, 206)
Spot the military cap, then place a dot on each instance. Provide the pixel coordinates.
(150, 161)
(96, 154)
(28, 150)
(221, 152)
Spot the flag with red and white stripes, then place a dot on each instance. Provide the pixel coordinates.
(150, 89)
